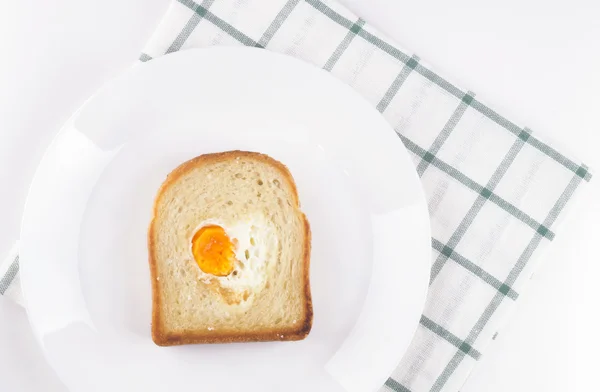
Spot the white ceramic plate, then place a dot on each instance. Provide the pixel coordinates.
(84, 259)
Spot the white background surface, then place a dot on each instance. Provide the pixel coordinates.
(535, 61)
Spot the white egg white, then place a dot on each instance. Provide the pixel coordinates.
(256, 244)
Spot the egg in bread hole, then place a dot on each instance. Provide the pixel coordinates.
(234, 257)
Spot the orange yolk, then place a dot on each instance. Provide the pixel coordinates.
(213, 250)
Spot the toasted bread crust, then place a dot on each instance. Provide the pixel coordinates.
(163, 337)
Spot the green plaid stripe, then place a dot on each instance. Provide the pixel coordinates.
(397, 83)
(378, 42)
(203, 13)
(469, 183)
(510, 280)
(474, 269)
(9, 275)
(331, 14)
(396, 386)
(446, 131)
(439, 81)
(530, 139)
(277, 23)
(450, 337)
(145, 57)
(197, 16)
(354, 30)
(477, 206)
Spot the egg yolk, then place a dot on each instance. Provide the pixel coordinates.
(213, 250)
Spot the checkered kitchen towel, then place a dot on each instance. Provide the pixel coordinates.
(496, 191)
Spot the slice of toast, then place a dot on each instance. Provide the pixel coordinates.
(246, 203)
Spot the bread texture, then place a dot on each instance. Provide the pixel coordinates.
(254, 198)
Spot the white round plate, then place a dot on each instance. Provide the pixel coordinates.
(85, 272)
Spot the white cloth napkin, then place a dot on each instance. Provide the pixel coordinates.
(496, 191)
